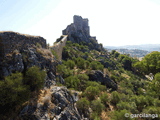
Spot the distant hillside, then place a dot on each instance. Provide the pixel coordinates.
(132, 52)
(147, 47)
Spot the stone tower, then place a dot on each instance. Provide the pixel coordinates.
(79, 31)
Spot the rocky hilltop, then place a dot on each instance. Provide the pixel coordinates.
(79, 32)
(10, 41)
(18, 53)
(85, 83)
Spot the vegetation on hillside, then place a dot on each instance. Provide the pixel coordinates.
(136, 94)
(18, 88)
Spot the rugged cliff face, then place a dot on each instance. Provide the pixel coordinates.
(10, 41)
(23, 51)
(79, 32)
(20, 52)
(57, 103)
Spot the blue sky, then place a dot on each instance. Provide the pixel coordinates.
(113, 22)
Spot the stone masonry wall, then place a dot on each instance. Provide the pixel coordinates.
(79, 32)
(58, 47)
(10, 41)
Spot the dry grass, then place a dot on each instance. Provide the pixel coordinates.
(44, 99)
(106, 72)
(27, 35)
(105, 115)
(125, 76)
(45, 53)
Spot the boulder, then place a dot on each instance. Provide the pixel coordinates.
(98, 76)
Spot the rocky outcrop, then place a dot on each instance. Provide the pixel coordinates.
(98, 76)
(19, 55)
(58, 105)
(10, 41)
(79, 32)
(20, 61)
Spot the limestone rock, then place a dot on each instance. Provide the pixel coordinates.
(22, 60)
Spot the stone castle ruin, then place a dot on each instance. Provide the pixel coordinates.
(79, 31)
(10, 41)
(78, 28)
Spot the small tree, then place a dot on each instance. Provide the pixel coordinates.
(121, 115)
(115, 98)
(91, 92)
(12, 92)
(35, 77)
(104, 98)
(83, 80)
(83, 106)
(97, 106)
(72, 82)
(70, 64)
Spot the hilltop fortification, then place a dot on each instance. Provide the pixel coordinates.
(10, 41)
(79, 32)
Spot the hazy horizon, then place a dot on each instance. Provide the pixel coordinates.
(114, 23)
(133, 45)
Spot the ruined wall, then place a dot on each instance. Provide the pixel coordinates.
(58, 47)
(10, 41)
(79, 24)
(79, 31)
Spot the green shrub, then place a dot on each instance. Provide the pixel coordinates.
(72, 82)
(80, 62)
(149, 64)
(156, 102)
(120, 115)
(104, 98)
(91, 92)
(95, 65)
(95, 116)
(35, 77)
(64, 71)
(97, 106)
(116, 54)
(128, 106)
(152, 110)
(70, 64)
(83, 105)
(113, 51)
(115, 98)
(155, 85)
(141, 102)
(55, 54)
(83, 80)
(12, 92)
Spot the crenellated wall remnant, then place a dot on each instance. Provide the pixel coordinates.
(10, 41)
